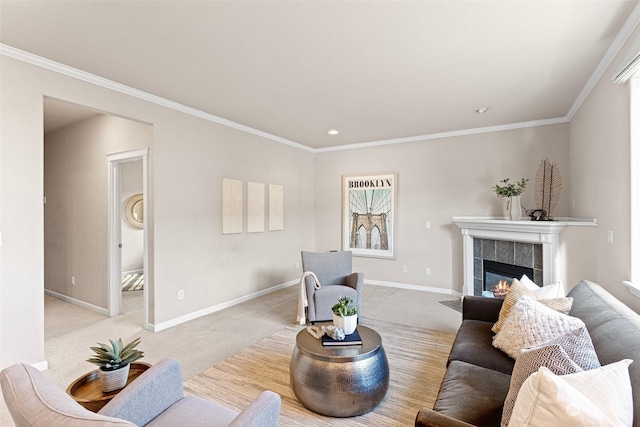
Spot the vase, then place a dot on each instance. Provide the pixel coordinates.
(515, 209)
(506, 204)
(347, 323)
(114, 380)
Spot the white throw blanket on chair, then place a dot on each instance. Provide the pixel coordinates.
(302, 300)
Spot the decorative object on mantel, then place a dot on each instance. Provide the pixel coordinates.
(547, 191)
(512, 192)
(114, 361)
(345, 315)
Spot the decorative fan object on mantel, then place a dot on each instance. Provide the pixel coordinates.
(548, 188)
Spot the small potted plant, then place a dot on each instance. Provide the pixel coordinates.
(345, 315)
(511, 191)
(114, 361)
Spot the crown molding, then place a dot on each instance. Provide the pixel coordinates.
(616, 45)
(75, 73)
(451, 134)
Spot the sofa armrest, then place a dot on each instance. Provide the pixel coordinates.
(355, 281)
(149, 395)
(430, 418)
(262, 412)
(481, 308)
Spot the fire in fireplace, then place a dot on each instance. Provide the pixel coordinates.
(497, 276)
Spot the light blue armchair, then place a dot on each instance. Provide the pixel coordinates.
(156, 398)
(333, 270)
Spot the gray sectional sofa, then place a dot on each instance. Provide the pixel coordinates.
(478, 375)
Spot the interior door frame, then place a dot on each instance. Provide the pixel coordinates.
(114, 217)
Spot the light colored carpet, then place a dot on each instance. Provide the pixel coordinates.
(416, 357)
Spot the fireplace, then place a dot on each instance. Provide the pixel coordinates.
(491, 238)
(505, 260)
(497, 273)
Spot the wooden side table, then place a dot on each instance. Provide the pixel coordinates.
(87, 390)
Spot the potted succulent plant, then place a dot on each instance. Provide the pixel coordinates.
(114, 361)
(511, 192)
(345, 315)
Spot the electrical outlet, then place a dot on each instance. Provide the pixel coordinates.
(427, 224)
(404, 268)
(297, 264)
(428, 271)
(610, 237)
(73, 280)
(181, 294)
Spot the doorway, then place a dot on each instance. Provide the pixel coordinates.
(79, 203)
(132, 211)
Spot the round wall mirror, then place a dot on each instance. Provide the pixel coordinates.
(133, 211)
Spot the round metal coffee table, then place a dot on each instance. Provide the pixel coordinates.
(340, 381)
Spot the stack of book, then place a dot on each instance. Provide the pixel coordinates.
(353, 339)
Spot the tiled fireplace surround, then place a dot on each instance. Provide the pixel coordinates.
(534, 242)
(514, 253)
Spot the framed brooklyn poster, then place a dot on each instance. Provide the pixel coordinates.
(368, 214)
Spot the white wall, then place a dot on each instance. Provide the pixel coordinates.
(21, 219)
(437, 180)
(600, 174)
(190, 156)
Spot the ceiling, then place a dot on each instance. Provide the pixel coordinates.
(375, 71)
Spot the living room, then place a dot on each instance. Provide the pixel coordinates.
(440, 175)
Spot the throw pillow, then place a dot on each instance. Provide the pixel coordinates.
(566, 354)
(528, 283)
(555, 290)
(516, 291)
(531, 323)
(599, 397)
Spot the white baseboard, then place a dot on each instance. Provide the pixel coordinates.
(78, 302)
(414, 287)
(196, 314)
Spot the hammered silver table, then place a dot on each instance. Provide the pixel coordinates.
(340, 381)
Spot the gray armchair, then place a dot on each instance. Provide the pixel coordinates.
(333, 270)
(155, 398)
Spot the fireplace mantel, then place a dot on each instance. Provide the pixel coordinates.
(546, 233)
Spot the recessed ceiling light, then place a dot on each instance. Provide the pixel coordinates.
(482, 110)
(333, 132)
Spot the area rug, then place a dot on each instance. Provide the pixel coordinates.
(133, 282)
(455, 304)
(417, 359)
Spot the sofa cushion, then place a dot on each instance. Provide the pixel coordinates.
(599, 397)
(472, 394)
(531, 323)
(193, 410)
(566, 354)
(614, 329)
(473, 345)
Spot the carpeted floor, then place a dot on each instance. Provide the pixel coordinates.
(416, 357)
